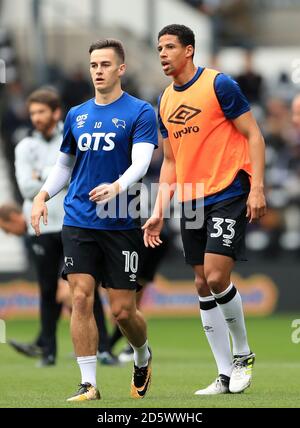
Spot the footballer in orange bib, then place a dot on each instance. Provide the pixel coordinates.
(214, 155)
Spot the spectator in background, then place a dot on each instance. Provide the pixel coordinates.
(250, 81)
(15, 125)
(76, 89)
(277, 124)
(283, 87)
(12, 220)
(34, 157)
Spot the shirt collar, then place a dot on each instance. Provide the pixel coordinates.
(190, 83)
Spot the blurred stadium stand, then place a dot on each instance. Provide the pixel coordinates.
(255, 41)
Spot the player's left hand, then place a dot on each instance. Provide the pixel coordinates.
(256, 204)
(152, 229)
(39, 209)
(104, 192)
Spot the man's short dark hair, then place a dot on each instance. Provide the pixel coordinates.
(114, 44)
(45, 96)
(6, 210)
(185, 35)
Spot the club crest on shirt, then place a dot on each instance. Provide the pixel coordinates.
(119, 123)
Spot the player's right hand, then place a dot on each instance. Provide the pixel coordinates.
(152, 229)
(39, 209)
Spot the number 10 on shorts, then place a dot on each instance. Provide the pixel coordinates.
(131, 261)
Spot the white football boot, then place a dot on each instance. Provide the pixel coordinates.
(242, 373)
(219, 386)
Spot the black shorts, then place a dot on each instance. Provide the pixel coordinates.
(110, 256)
(223, 231)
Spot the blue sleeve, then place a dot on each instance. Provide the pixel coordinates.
(162, 128)
(232, 100)
(145, 129)
(68, 144)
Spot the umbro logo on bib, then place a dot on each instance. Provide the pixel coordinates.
(183, 114)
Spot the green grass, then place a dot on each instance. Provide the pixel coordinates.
(182, 363)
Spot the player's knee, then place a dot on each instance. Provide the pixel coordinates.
(82, 302)
(121, 314)
(201, 286)
(215, 281)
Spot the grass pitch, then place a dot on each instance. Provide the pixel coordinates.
(182, 363)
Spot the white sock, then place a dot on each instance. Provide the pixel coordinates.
(230, 303)
(141, 355)
(87, 367)
(217, 334)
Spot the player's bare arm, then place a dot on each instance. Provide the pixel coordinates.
(256, 203)
(167, 186)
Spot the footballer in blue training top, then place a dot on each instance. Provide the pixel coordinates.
(107, 148)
